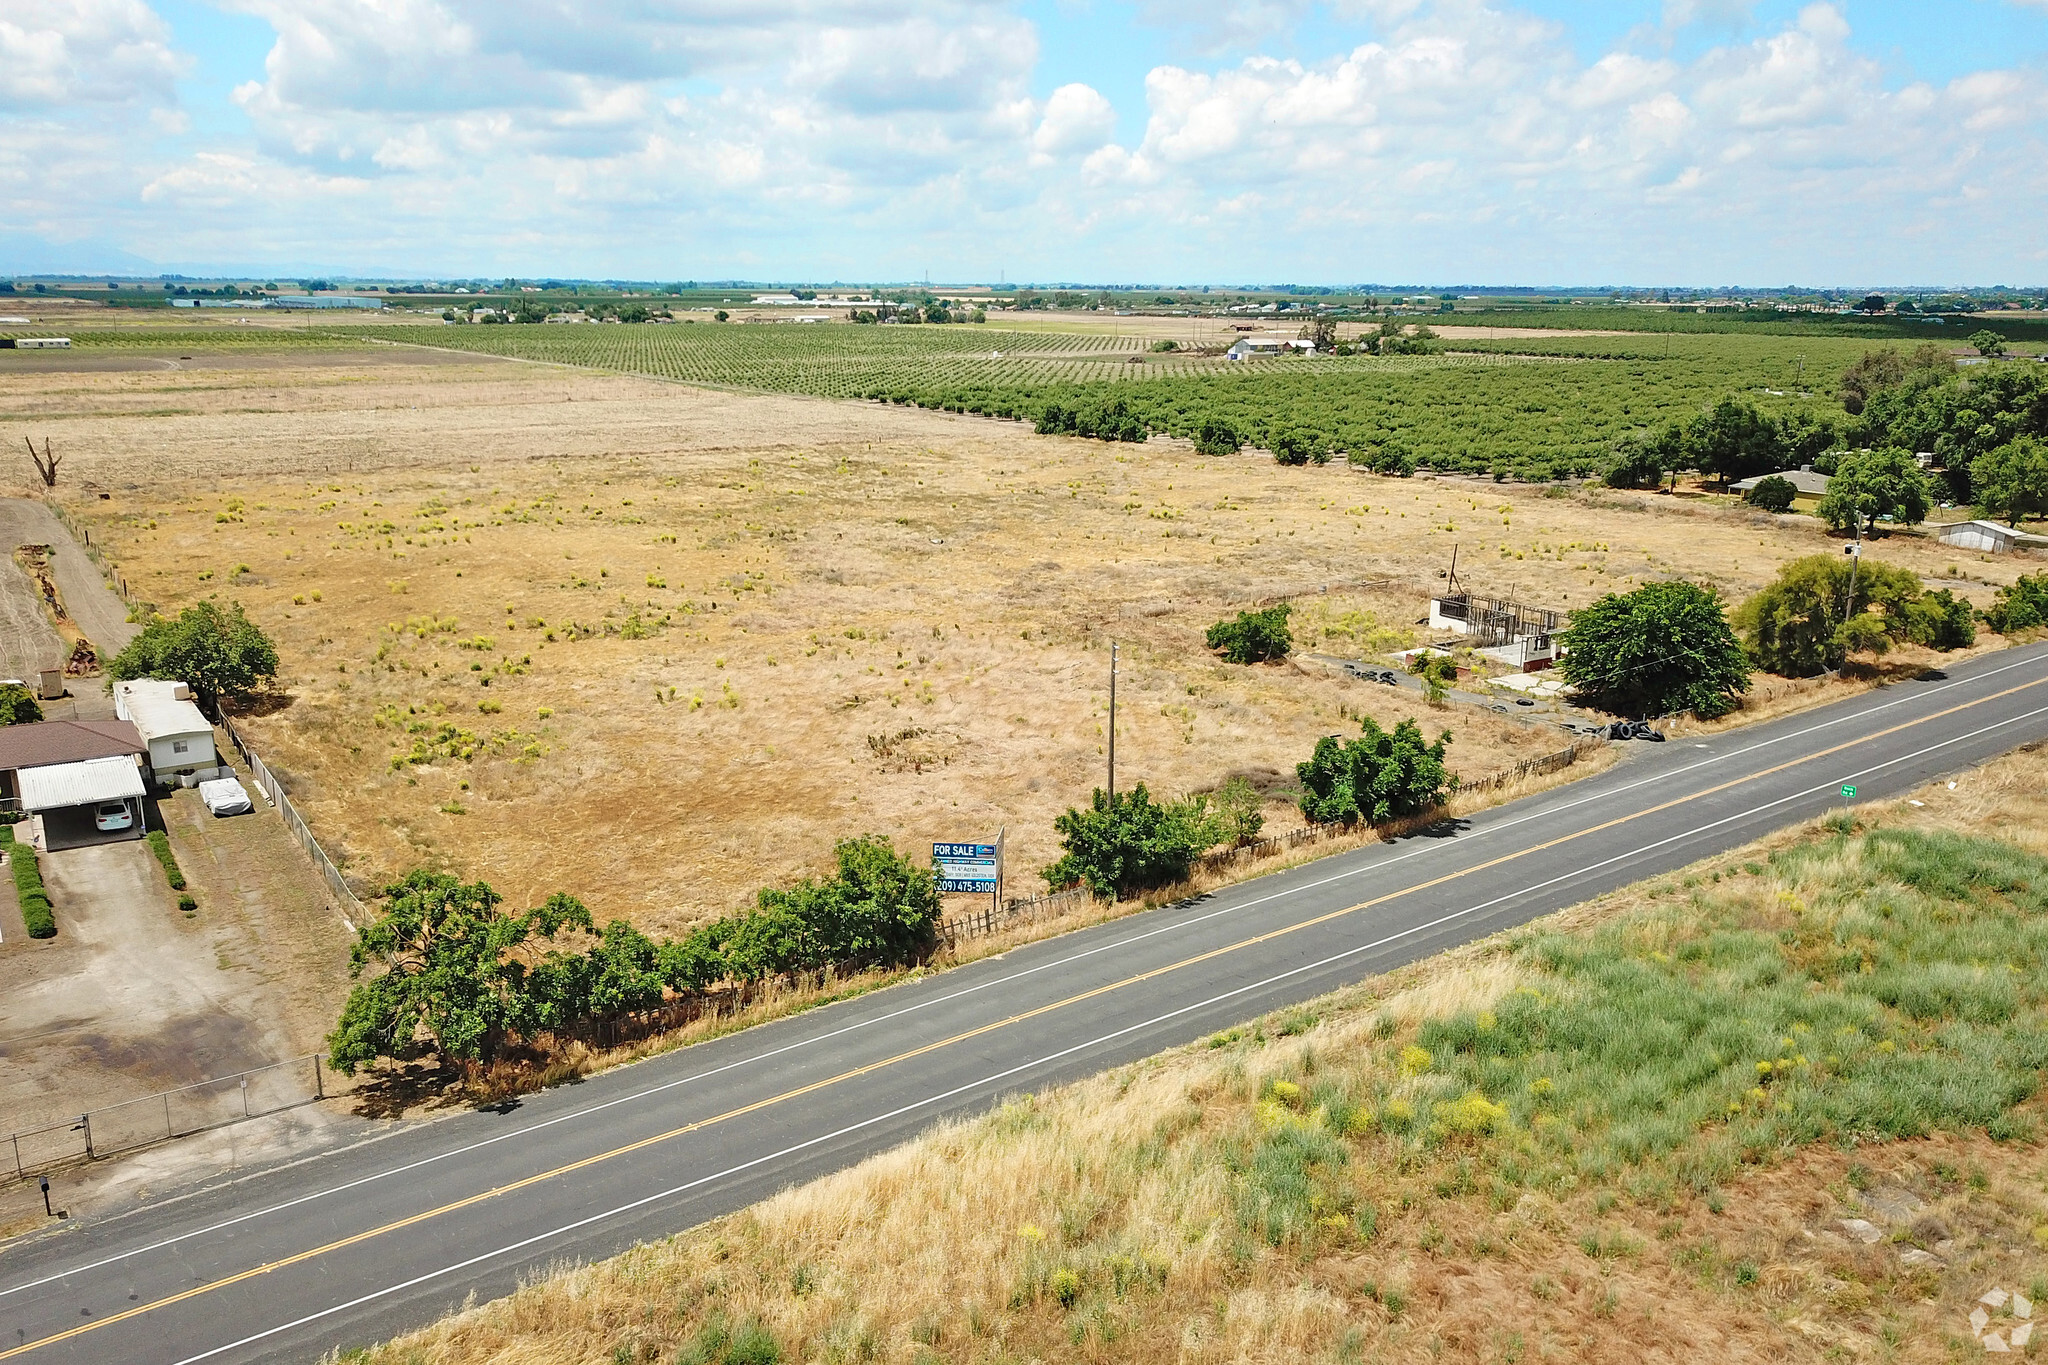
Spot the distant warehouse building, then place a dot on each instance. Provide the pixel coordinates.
(1245, 348)
(324, 301)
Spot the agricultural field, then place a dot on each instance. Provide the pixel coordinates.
(661, 645)
(1772, 1108)
(1488, 407)
(1535, 404)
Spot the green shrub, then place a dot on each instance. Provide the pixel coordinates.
(716, 1343)
(30, 891)
(1131, 843)
(18, 705)
(2023, 606)
(186, 901)
(1941, 620)
(160, 844)
(1385, 775)
(1239, 811)
(1439, 673)
(1254, 637)
(1773, 494)
(1215, 436)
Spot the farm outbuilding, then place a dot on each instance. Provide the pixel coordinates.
(97, 801)
(177, 736)
(1986, 536)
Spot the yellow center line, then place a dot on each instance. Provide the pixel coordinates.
(855, 1072)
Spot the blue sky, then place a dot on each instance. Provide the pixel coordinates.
(1203, 141)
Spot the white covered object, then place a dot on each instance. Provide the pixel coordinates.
(224, 796)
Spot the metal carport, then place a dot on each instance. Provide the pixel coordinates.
(64, 797)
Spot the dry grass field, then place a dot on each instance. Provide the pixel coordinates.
(661, 646)
(1262, 1199)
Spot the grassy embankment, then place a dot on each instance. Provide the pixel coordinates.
(1637, 1127)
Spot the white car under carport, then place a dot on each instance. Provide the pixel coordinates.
(95, 801)
(225, 796)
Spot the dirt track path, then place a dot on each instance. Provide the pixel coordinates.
(28, 642)
(99, 611)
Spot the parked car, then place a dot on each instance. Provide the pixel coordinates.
(224, 796)
(112, 815)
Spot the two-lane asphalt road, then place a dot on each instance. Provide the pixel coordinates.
(351, 1247)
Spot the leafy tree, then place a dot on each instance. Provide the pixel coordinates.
(1881, 368)
(1871, 484)
(1872, 303)
(1217, 437)
(1642, 459)
(1804, 436)
(1130, 842)
(2023, 606)
(1956, 415)
(1110, 420)
(1322, 330)
(1664, 648)
(721, 316)
(217, 650)
(1293, 446)
(1734, 440)
(1941, 620)
(619, 975)
(1255, 636)
(1988, 343)
(880, 907)
(451, 970)
(2012, 481)
(1383, 775)
(1811, 618)
(1772, 494)
(18, 705)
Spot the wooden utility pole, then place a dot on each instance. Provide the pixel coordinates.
(1112, 722)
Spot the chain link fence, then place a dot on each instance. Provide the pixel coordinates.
(351, 907)
(176, 1113)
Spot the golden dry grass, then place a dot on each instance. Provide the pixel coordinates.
(949, 1248)
(857, 618)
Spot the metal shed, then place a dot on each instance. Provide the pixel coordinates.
(75, 801)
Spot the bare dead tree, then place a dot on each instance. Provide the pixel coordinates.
(45, 463)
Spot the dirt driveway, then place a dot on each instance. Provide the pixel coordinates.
(129, 998)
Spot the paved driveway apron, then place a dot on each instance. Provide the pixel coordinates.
(352, 1247)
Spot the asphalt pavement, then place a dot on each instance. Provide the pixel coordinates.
(350, 1247)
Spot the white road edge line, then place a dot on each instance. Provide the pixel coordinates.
(1177, 926)
(1049, 1058)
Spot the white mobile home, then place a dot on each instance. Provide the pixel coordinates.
(179, 740)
